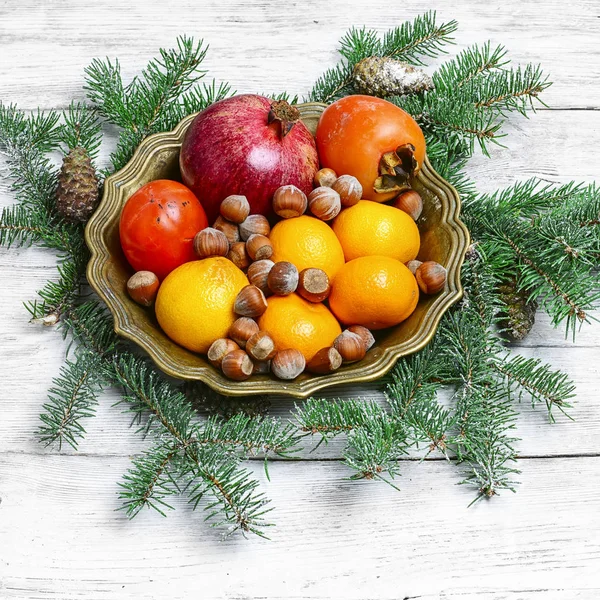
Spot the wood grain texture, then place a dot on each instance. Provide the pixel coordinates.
(301, 40)
(334, 538)
(60, 537)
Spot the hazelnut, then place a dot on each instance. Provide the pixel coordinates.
(250, 302)
(259, 247)
(431, 277)
(210, 242)
(143, 287)
(411, 203)
(413, 265)
(261, 346)
(261, 367)
(255, 224)
(349, 189)
(283, 278)
(288, 364)
(258, 274)
(324, 203)
(366, 336)
(313, 285)
(325, 177)
(350, 346)
(235, 208)
(230, 230)
(242, 330)
(238, 255)
(289, 201)
(325, 360)
(219, 349)
(237, 365)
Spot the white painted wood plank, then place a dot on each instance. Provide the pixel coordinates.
(334, 539)
(259, 45)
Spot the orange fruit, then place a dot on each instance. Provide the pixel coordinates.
(293, 322)
(369, 228)
(307, 242)
(374, 291)
(194, 305)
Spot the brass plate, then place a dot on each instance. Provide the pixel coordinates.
(444, 238)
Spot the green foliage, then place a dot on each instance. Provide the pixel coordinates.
(547, 237)
(410, 42)
(167, 90)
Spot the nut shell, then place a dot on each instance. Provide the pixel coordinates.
(258, 274)
(237, 365)
(230, 230)
(259, 247)
(289, 202)
(350, 346)
(143, 287)
(431, 277)
(367, 337)
(324, 203)
(261, 367)
(314, 285)
(349, 189)
(261, 346)
(288, 364)
(238, 255)
(324, 361)
(325, 177)
(235, 208)
(254, 224)
(411, 203)
(283, 278)
(413, 265)
(210, 242)
(219, 349)
(242, 330)
(250, 302)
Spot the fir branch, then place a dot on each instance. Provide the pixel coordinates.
(329, 418)
(484, 414)
(149, 481)
(511, 90)
(82, 128)
(72, 398)
(418, 38)
(470, 65)
(373, 450)
(412, 395)
(165, 92)
(210, 462)
(422, 37)
(539, 381)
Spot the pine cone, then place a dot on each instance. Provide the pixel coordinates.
(518, 314)
(384, 76)
(77, 192)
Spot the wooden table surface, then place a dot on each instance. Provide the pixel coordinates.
(60, 536)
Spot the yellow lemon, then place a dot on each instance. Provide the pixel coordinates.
(194, 305)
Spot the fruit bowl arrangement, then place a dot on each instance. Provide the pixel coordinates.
(305, 307)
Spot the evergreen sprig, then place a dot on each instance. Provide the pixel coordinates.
(410, 42)
(167, 90)
(548, 237)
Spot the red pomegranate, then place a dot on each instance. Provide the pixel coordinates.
(247, 145)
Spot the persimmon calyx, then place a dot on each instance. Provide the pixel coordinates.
(395, 170)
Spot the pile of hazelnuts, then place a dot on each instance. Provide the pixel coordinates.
(244, 239)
